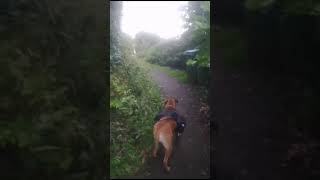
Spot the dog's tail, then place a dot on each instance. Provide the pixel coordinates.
(164, 140)
(160, 137)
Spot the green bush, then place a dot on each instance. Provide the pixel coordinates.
(192, 70)
(203, 75)
(134, 100)
(198, 70)
(203, 70)
(191, 62)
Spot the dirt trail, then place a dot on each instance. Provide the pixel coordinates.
(191, 154)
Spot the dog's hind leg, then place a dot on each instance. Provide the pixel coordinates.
(167, 143)
(156, 142)
(155, 148)
(166, 159)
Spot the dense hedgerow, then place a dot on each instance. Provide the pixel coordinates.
(134, 101)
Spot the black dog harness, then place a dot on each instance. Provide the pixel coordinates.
(174, 115)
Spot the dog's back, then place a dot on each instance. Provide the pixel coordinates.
(163, 131)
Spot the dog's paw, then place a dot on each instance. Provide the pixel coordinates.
(168, 169)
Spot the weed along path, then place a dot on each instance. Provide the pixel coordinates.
(191, 154)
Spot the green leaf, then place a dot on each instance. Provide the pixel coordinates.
(115, 103)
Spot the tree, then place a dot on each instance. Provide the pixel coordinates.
(197, 18)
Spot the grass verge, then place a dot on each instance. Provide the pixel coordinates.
(180, 75)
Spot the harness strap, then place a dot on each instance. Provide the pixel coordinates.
(166, 117)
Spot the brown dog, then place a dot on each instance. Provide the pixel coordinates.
(163, 132)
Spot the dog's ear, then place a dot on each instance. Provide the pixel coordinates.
(165, 102)
(176, 100)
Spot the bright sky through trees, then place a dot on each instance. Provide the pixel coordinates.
(159, 17)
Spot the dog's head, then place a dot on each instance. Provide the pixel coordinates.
(170, 103)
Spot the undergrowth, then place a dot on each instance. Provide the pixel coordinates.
(134, 101)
